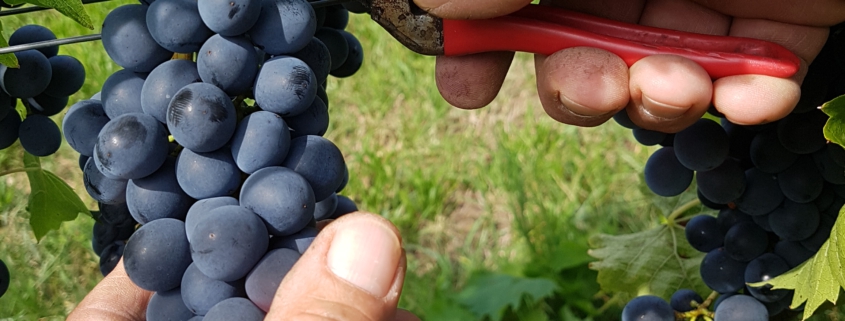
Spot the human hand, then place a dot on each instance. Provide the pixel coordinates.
(586, 86)
(354, 270)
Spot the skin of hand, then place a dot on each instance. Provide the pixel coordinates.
(354, 270)
(586, 86)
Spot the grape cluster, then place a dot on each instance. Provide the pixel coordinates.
(687, 304)
(778, 187)
(44, 82)
(210, 139)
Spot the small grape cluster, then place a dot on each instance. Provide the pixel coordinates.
(778, 187)
(687, 304)
(210, 138)
(43, 82)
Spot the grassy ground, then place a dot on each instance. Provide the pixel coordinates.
(500, 189)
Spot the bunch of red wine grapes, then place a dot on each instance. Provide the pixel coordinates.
(219, 158)
(43, 82)
(778, 187)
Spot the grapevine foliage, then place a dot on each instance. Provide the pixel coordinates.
(73, 9)
(510, 291)
(51, 200)
(834, 129)
(657, 261)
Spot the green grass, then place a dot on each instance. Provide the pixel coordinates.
(502, 189)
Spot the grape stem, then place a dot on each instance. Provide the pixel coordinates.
(681, 210)
(19, 170)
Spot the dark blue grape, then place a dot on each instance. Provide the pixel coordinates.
(741, 308)
(729, 217)
(162, 84)
(344, 206)
(337, 17)
(201, 207)
(130, 146)
(794, 221)
(802, 181)
(68, 76)
(745, 241)
(702, 146)
(648, 137)
(815, 241)
(206, 175)
(284, 26)
(801, 134)
(648, 308)
(46, 105)
(762, 193)
(229, 17)
(115, 214)
(201, 117)
(103, 189)
(826, 198)
(299, 241)
(262, 139)
(30, 78)
(765, 268)
(82, 123)
(763, 222)
(121, 93)
(828, 168)
(324, 209)
(314, 121)
(128, 42)
(837, 153)
(354, 58)
(167, 305)
(157, 255)
(4, 278)
(34, 33)
(704, 233)
(157, 196)
(9, 128)
(345, 179)
(104, 235)
(229, 63)
(263, 281)
(769, 155)
(337, 45)
(286, 86)
(39, 135)
(682, 299)
(281, 197)
(176, 25)
(319, 161)
(665, 175)
(110, 256)
(317, 56)
(234, 309)
(793, 253)
(723, 184)
(227, 242)
(200, 292)
(621, 117)
(722, 273)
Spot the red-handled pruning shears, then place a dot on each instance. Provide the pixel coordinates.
(545, 30)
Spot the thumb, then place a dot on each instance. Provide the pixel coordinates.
(354, 270)
(470, 9)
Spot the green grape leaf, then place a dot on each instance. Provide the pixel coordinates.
(834, 129)
(509, 292)
(818, 279)
(73, 9)
(8, 60)
(51, 200)
(657, 261)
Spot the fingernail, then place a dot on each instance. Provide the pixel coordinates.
(662, 110)
(366, 254)
(579, 109)
(429, 4)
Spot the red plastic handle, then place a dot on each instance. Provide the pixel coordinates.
(546, 30)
